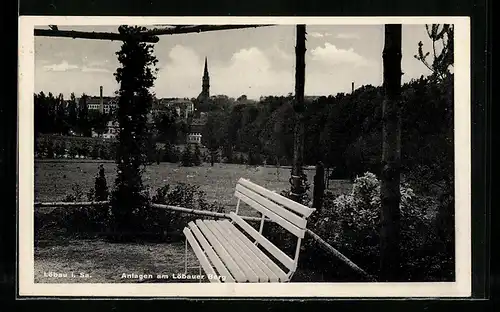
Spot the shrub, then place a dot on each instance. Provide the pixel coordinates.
(83, 222)
(187, 157)
(50, 153)
(73, 150)
(197, 155)
(350, 222)
(60, 148)
(169, 224)
(101, 187)
(170, 153)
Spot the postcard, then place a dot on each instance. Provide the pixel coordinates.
(244, 157)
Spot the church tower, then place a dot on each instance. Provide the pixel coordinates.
(205, 93)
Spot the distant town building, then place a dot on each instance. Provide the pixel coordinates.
(110, 132)
(194, 138)
(104, 104)
(183, 107)
(196, 128)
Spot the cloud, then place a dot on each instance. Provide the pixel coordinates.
(87, 69)
(61, 67)
(319, 35)
(347, 36)
(331, 55)
(96, 67)
(282, 54)
(250, 71)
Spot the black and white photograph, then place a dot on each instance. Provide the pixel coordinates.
(244, 157)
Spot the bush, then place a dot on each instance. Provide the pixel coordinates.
(60, 148)
(350, 222)
(169, 224)
(187, 157)
(101, 187)
(81, 222)
(170, 153)
(197, 155)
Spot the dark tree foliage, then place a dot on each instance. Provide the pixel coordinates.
(135, 78)
(187, 157)
(101, 187)
(83, 125)
(57, 116)
(72, 112)
(197, 155)
(167, 126)
(213, 134)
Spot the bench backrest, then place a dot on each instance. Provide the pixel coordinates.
(281, 210)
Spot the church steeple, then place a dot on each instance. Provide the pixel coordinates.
(206, 82)
(205, 72)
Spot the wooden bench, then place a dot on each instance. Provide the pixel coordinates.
(234, 250)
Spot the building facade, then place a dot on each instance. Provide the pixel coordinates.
(103, 104)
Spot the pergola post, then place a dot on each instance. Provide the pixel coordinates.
(297, 179)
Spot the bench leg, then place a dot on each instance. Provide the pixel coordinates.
(186, 258)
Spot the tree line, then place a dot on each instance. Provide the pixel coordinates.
(55, 115)
(342, 131)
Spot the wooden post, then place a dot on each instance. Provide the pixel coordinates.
(296, 180)
(319, 186)
(391, 157)
(327, 178)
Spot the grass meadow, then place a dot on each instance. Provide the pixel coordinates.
(98, 261)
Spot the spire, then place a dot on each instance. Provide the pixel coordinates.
(205, 72)
(206, 82)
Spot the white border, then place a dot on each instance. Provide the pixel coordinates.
(460, 288)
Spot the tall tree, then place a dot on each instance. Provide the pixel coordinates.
(83, 116)
(51, 103)
(213, 134)
(297, 179)
(97, 121)
(277, 135)
(166, 125)
(72, 112)
(41, 113)
(391, 156)
(61, 119)
(135, 77)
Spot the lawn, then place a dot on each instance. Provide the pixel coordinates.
(105, 262)
(54, 179)
(98, 261)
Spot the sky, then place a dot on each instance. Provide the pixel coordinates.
(254, 62)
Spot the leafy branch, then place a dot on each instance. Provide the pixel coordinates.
(442, 37)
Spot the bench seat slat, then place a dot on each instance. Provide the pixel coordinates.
(236, 272)
(250, 275)
(252, 260)
(275, 251)
(303, 210)
(200, 255)
(221, 268)
(274, 272)
(271, 215)
(281, 211)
